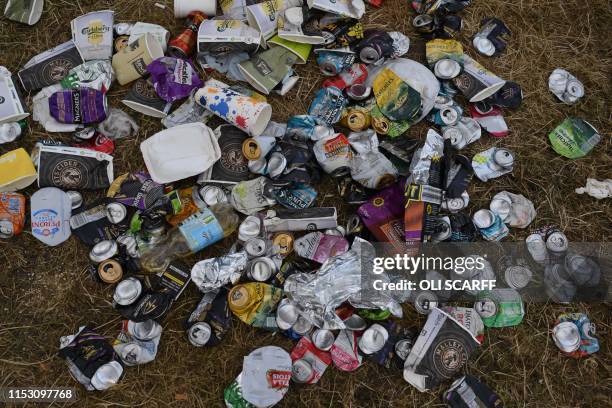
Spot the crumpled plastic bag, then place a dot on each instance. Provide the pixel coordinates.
(596, 188)
(213, 273)
(514, 209)
(340, 278)
(118, 125)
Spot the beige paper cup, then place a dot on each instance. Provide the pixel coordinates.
(131, 62)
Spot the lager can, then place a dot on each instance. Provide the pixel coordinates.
(261, 269)
(356, 120)
(323, 339)
(127, 291)
(373, 339)
(302, 371)
(500, 307)
(103, 250)
(257, 247)
(110, 271)
(283, 243)
(116, 212)
(199, 334)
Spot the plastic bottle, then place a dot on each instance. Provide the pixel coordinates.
(200, 230)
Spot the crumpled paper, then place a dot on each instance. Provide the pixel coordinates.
(596, 188)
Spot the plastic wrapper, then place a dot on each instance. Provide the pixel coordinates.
(173, 78)
(341, 278)
(213, 273)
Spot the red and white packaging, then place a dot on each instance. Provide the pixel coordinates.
(492, 121)
(318, 359)
(345, 353)
(356, 74)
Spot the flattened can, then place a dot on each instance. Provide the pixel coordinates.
(199, 334)
(283, 243)
(116, 212)
(261, 269)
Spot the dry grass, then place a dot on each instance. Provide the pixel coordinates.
(45, 293)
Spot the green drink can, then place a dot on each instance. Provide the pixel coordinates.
(574, 138)
(500, 307)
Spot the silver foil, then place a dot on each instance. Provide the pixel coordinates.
(344, 277)
(213, 273)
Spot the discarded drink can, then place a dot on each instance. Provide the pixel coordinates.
(583, 270)
(574, 138)
(301, 371)
(249, 228)
(488, 41)
(261, 269)
(344, 351)
(323, 339)
(127, 291)
(110, 271)
(490, 225)
(12, 214)
(256, 247)
(356, 120)
(359, 92)
(107, 375)
(145, 331)
(283, 243)
(565, 86)
(566, 336)
(517, 276)
(447, 68)
(425, 301)
(103, 250)
(76, 198)
(302, 326)
(556, 242)
(116, 212)
(212, 195)
(500, 307)
(199, 334)
(492, 163)
(332, 63)
(286, 315)
(574, 335)
(373, 339)
(468, 391)
(355, 323)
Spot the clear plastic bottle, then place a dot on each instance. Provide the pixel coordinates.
(200, 230)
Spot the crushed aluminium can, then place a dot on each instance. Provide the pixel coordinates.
(468, 391)
(500, 307)
(574, 138)
(573, 334)
(565, 86)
